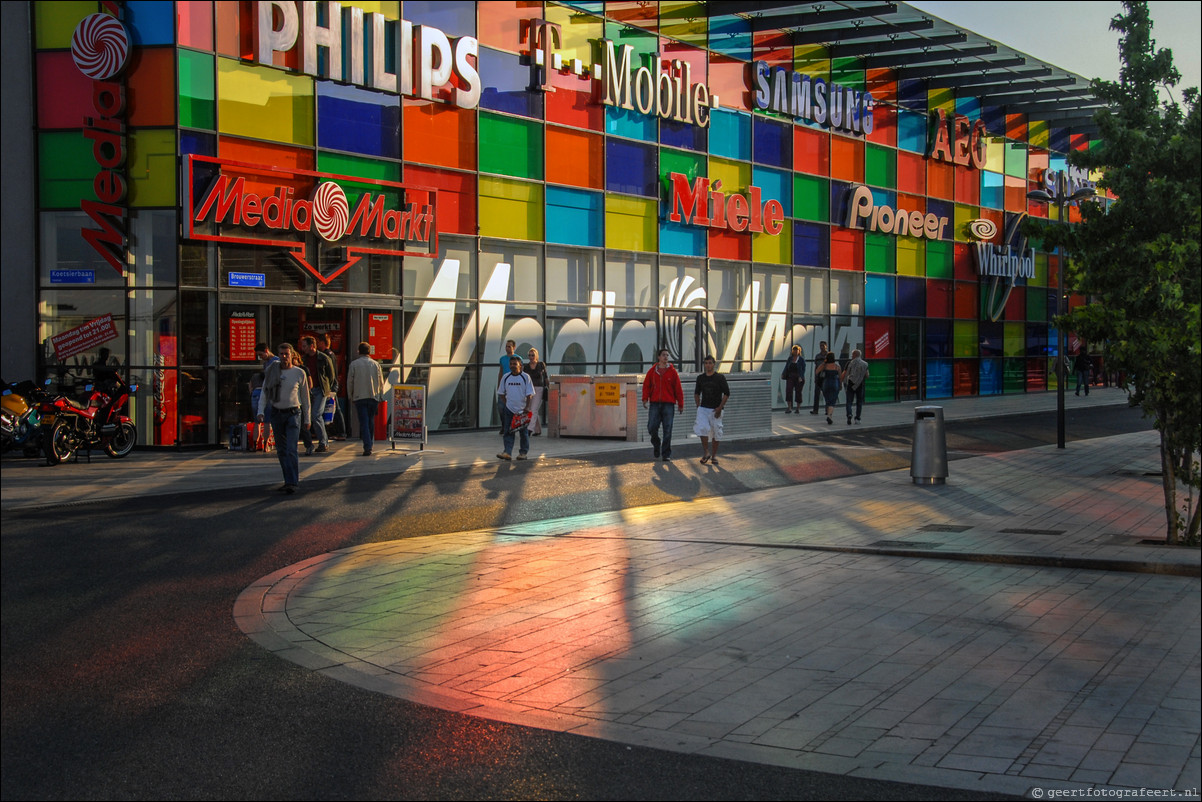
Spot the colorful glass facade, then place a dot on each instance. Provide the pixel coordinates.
(554, 222)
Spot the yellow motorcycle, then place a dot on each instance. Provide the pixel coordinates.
(20, 419)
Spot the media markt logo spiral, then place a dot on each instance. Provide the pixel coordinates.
(100, 46)
(331, 212)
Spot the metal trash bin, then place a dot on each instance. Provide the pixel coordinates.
(928, 455)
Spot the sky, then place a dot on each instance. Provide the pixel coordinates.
(1076, 36)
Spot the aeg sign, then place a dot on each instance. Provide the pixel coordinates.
(292, 210)
(100, 49)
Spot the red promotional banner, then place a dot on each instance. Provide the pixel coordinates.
(84, 338)
(379, 335)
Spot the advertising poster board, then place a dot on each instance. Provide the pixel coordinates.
(243, 332)
(407, 411)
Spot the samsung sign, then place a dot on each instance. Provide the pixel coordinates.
(811, 99)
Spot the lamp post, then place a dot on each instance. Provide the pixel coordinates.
(1062, 199)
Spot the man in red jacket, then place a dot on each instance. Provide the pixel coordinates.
(661, 387)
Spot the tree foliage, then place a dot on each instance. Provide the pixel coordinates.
(1138, 260)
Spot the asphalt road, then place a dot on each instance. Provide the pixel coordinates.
(124, 676)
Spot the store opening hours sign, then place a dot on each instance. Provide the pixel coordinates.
(324, 222)
(84, 338)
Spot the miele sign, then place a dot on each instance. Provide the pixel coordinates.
(348, 44)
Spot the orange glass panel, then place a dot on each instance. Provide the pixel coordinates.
(439, 135)
(235, 30)
(194, 23)
(997, 216)
(1016, 194)
(847, 249)
(728, 80)
(968, 186)
(811, 151)
(150, 91)
(882, 85)
(282, 157)
(847, 159)
(638, 13)
(911, 172)
(884, 126)
(500, 24)
(774, 47)
(941, 180)
(730, 245)
(912, 203)
(456, 206)
(1016, 126)
(576, 158)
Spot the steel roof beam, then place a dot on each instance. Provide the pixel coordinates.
(861, 48)
(831, 35)
(940, 54)
(991, 82)
(981, 67)
(806, 19)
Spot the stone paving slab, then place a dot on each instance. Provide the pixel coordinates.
(775, 627)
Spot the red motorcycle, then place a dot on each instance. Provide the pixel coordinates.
(99, 422)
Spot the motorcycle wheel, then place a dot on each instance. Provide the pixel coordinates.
(120, 444)
(60, 444)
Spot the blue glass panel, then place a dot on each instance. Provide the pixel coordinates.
(678, 238)
(731, 35)
(912, 94)
(911, 131)
(911, 297)
(1037, 340)
(630, 124)
(993, 190)
(878, 295)
(1058, 139)
(683, 135)
(774, 184)
(840, 198)
(575, 216)
(939, 378)
(990, 337)
(943, 209)
(631, 168)
(990, 380)
(969, 106)
(995, 120)
(811, 244)
(198, 143)
(939, 339)
(150, 22)
(452, 17)
(886, 197)
(358, 121)
(591, 6)
(1057, 163)
(730, 134)
(773, 142)
(508, 84)
(203, 174)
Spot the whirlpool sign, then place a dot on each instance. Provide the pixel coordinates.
(324, 222)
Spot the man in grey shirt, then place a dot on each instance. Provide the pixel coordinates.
(854, 377)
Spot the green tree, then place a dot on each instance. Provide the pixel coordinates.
(1138, 260)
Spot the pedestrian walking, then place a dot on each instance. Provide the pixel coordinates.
(365, 387)
(1082, 367)
(819, 362)
(286, 390)
(854, 378)
(662, 390)
(828, 380)
(503, 371)
(338, 428)
(322, 382)
(710, 394)
(516, 393)
(266, 359)
(795, 380)
(537, 371)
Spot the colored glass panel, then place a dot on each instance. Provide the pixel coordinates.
(968, 186)
(685, 21)
(631, 224)
(911, 173)
(575, 217)
(735, 176)
(500, 24)
(774, 185)
(811, 198)
(64, 93)
(358, 121)
(150, 22)
(194, 23)
(847, 249)
(235, 26)
(1037, 306)
(66, 169)
(283, 157)
(911, 131)
(878, 295)
(847, 159)
(456, 211)
(439, 135)
(966, 304)
(848, 71)
(631, 168)
(990, 377)
(939, 259)
(811, 245)
(54, 23)
(939, 298)
(880, 166)
(881, 378)
(150, 87)
(938, 338)
(575, 157)
(941, 180)
(731, 36)
(684, 239)
(197, 92)
(507, 89)
(774, 249)
(730, 134)
(939, 378)
(452, 17)
(510, 209)
(357, 166)
(728, 81)
(1014, 339)
(1016, 126)
(964, 216)
(683, 135)
(264, 103)
(911, 297)
(879, 253)
(964, 338)
(911, 256)
(995, 154)
(510, 146)
(773, 143)
(990, 335)
(880, 340)
(993, 193)
(811, 151)
(1016, 159)
(150, 166)
(630, 123)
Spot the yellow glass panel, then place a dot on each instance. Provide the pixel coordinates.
(684, 20)
(1037, 133)
(55, 22)
(263, 103)
(813, 60)
(511, 209)
(777, 250)
(942, 99)
(1014, 339)
(911, 256)
(1041, 271)
(390, 10)
(579, 32)
(964, 216)
(995, 154)
(630, 223)
(964, 338)
(735, 176)
(152, 170)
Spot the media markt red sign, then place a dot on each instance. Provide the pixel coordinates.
(324, 222)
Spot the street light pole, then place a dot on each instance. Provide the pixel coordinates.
(1062, 199)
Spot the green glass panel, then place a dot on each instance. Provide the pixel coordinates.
(880, 167)
(1014, 375)
(879, 253)
(1037, 304)
(197, 91)
(510, 146)
(1016, 159)
(678, 161)
(66, 169)
(151, 168)
(940, 259)
(1014, 339)
(359, 167)
(811, 198)
(848, 71)
(964, 338)
(881, 380)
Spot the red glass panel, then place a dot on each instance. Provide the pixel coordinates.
(150, 88)
(878, 338)
(500, 24)
(847, 249)
(194, 23)
(1016, 127)
(730, 245)
(439, 135)
(235, 30)
(1016, 304)
(941, 180)
(967, 306)
(456, 197)
(964, 377)
(963, 266)
(811, 151)
(911, 173)
(939, 298)
(847, 159)
(728, 80)
(64, 93)
(968, 186)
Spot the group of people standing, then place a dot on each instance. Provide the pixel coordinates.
(829, 378)
(520, 391)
